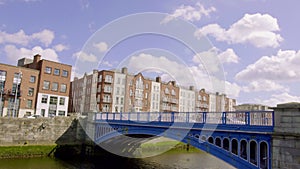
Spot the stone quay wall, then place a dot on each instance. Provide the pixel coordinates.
(286, 137)
(41, 131)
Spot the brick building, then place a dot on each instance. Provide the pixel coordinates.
(35, 86)
(53, 86)
(18, 89)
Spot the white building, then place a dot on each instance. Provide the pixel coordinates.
(119, 92)
(186, 99)
(155, 97)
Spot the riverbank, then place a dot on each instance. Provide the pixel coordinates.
(70, 151)
(26, 151)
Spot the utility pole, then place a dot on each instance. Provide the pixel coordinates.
(16, 94)
(1, 105)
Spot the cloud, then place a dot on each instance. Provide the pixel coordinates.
(21, 38)
(232, 89)
(190, 13)
(214, 57)
(45, 36)
(264, 85)
(107, 63)
(183, 74)
(13, 53)
(228, 56)
(84, 57)
(101, 46)
(278, 99)
(256, 29)
(284, 66)
(60, 47)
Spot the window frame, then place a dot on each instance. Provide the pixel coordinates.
(63, 91)
(32, 77)
(56, 72)
(44, 88)
(48, 70)
(65, 73)
(53, 85)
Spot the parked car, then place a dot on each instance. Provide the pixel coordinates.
(34, 116)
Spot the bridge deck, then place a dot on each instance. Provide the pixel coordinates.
(258, 121)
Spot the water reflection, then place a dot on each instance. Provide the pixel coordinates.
(165, 161)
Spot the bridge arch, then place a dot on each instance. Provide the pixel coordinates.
(242, 143)
(253, 153)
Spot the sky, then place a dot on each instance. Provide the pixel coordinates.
(249, 47)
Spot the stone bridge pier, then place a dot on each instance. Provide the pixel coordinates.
(286, 136)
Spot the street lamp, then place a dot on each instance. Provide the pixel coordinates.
(1, 105)
(16, 94)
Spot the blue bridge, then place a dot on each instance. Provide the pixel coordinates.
(242, 139)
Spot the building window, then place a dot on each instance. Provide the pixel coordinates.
(173, 92)
(44, 99)
(122, 100)
(29, 104)
(62, 101)
(54, 86)
(147, 86)
(108, 78)
(63, 88)
(100, 78)
(61, 113)
(48, 70)
(53, 100)
(117, 100)
(46, 85)
(65, 73)
(167, 91)
(32, 79)
(56, 72)
(30, 91)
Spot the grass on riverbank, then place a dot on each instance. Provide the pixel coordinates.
(25, 151)
(148, 149)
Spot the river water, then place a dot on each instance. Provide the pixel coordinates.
(181, 160)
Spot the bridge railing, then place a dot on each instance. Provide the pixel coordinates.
(257, 118)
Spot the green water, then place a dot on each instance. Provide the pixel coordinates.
(181, 160)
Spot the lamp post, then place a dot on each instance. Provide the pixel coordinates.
(16, 94)
(1, 105)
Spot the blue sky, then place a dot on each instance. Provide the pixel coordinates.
(256, 41)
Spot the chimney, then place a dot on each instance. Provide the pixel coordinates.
(173, 83)
(124, 70)
(95, 71)
(158, 79)
(36, 58)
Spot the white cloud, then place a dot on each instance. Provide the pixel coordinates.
(284, 66)
(13, 53)
(107, 63)
(60, 47)
(228, 56)
(232, 90)
(264, 85)
(256, 29)
(84, 57)
(278, 99)
(46, 37)
(190, 13)
(214, 57)
(101, 46)
(184, 75)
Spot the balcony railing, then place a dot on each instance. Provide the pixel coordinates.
(248, 119)
(106, 100)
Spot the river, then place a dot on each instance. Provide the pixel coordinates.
(181, 160)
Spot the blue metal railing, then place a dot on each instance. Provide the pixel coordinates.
(254, 118)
